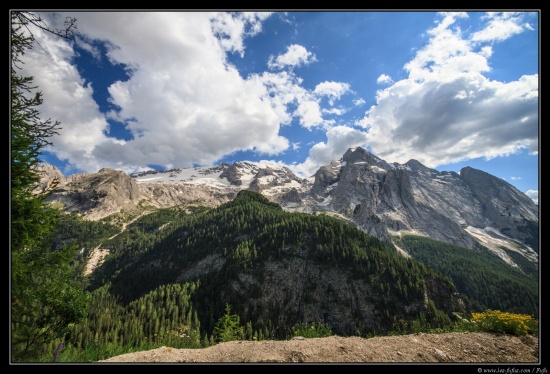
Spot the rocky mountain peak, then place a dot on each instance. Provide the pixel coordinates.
(49, 175)
(384, 200)
(233, 174)
(326, 176)
(504, 207)
(359, 156)
(489, 188)
(417, 166)
(98, 195)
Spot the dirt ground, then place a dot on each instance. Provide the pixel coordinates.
(414, 348)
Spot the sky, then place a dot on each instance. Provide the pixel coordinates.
(175, 89)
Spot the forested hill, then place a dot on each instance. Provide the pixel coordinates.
(275, 269)
(480, 275)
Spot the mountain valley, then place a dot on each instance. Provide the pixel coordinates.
(363, 246)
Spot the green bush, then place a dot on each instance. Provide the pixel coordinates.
(312, 330)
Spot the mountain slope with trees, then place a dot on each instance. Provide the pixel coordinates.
(480, 275)
(174, 273)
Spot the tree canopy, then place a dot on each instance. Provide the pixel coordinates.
(46, 294)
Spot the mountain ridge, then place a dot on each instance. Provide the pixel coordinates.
(179, 247)
(469, 208)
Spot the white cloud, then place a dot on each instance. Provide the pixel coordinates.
(232, 28)
(533, 194)
(500, 27)
(332, 90)
(515, 178)
(447, 110)
(284, 89)
(63, 89)
(335, 111)
(384, 79)
(186, 104)
(309, 113)
(296, 55)
(183, 103)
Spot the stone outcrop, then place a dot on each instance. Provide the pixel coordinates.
(384, 199)
(503, 207)
(97, 195)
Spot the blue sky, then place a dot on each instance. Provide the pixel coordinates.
(141, 90)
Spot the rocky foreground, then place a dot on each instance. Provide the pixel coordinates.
(414, 348)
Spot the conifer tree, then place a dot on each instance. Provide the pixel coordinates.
(45, 294)
(228, 327)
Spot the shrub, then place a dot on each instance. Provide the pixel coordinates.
(312, 330)
(506, 323)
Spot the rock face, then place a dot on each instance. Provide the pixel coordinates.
(97, 195)
(333, 295)
(165, 194)
(290, 198)
(382, 199)
(50, 177)
(386, 199)
(503, 206)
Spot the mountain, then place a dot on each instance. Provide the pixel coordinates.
(276, 269)
(468, 209)
(465, 209)
(363, 246)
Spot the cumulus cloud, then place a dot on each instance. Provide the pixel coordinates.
(446, 110)
(384, 79)
(231, 28)
(183, 103)
(296, 55)
(63, 89)
(332, 90)
(284, 89)
(335, 111)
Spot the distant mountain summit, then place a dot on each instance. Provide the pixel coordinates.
(383, 199)
(386, 199)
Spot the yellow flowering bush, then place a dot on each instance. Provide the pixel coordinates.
(506, 323)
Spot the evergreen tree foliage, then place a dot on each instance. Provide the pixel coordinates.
(228, 327)
(164, 316)
(485, 279)
(46, 295)
(246, 234)
(30, 220)
(172, 273)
